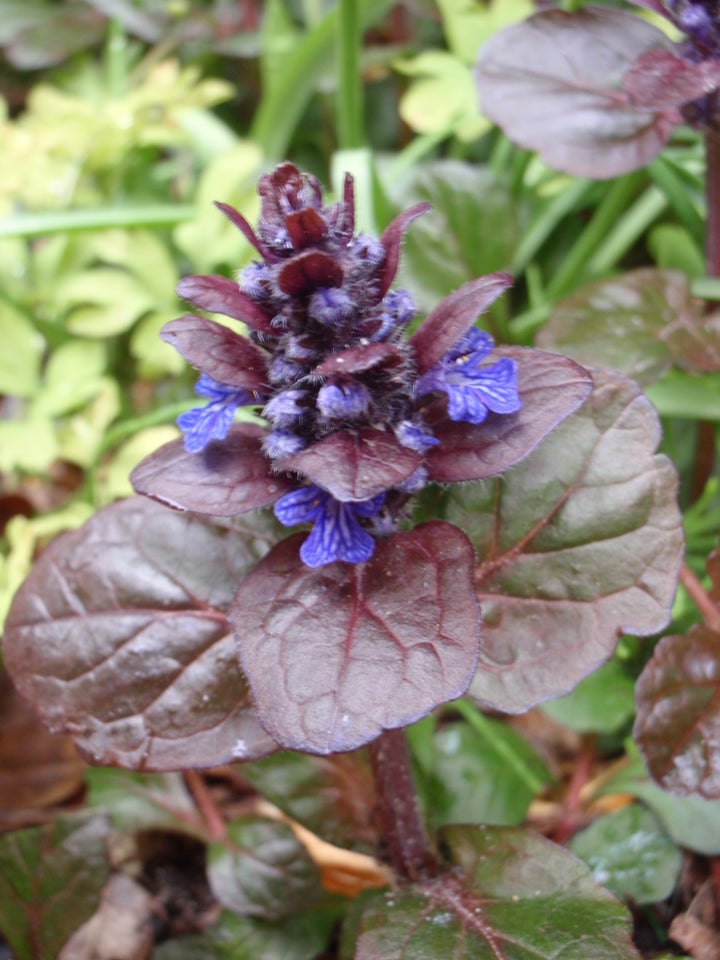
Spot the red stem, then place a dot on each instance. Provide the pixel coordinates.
(407, 842)
(697, 593)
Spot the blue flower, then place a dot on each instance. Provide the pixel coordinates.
(343, 400)
(285, 409)
(211, 422)
(336, 534)
(473, 391)
(330, 305)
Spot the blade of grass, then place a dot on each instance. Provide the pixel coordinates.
(105, 218)
(613, 204)
(628, 230)
(349, 109)
(279, 113)
(668, 179)
(571, 198)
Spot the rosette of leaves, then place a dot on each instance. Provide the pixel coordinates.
(193, 636)
(598, 92)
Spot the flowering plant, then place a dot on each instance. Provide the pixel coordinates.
(196, 636)
(360, 417)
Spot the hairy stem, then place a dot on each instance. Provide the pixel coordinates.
(697, 593)
(407, 842)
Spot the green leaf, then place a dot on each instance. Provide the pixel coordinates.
(487, 777)
(630, 854)
(302, 937)
(512, 895)
(469, 24)
(260, 869)
(620, 323)
(673, 248)
(472, 229)
(51, 879)
(102, 302)
(689, 396)
(29, 445)
(601, 703)
(333, 796)
(140, 801)
(441, 97)
(73, 376)
(21, 353)
(689, 821)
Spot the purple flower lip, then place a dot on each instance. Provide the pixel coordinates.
(327, 359)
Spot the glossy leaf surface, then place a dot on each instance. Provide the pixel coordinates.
(621, 323)
(553, 83)
(220, 295)
(51, 878)
(337, 654)
(301, 937)
(355, 464)
(217, 351)
(454, 316)
(551, 388)
(690, 821)
(260, 869)
(229, 477)
(473, 229)
(515, 896)
(334, 797)
(630, 854)
(577, 545)
(661, 78)
(677, 727)
(119, 636)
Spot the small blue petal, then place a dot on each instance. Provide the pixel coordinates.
(473, 393)
(283, 370)
(415, 482)
(254, 280)
(201, 425)
(343, 400)
(330, 305)
(471, 348)
(336, 535)
(415, 436)
(300, 506)
(285, 408)
(279, 444)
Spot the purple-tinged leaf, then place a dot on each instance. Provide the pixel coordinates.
(391, 241)
(119, 637)
(551, 388)
(623, 323)
(694, 341)
(213, 349)
(51, 878)
(228, 477)
(335, 655)
(513, 895)
(308, 271)
(578, 545)
(239, 221)
(677, 727)
(452, 318)
(660, 79)
(355, 464)
(220, 295)
(260, 869)
(553, 83)
(334, 797)
(306, 228)
(358, 359)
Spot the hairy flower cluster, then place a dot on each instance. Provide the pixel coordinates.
(329, 365)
